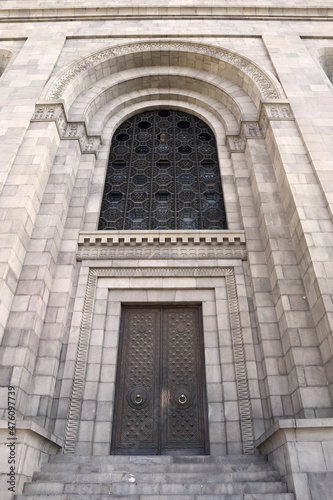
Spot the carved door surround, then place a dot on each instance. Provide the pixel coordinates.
(118, 285)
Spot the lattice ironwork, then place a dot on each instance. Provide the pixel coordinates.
(163, 173)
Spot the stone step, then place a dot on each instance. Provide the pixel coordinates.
(156, 477)
(259, 496)
(159, 459)
(152, 478)
(131, 467)
(138, 488)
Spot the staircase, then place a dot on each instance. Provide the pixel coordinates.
(150, 478)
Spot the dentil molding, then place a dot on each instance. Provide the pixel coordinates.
(101, 245)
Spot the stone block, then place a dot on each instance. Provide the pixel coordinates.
(321, 485)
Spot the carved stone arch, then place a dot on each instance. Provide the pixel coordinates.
(128, 104)
(256, 81)
(205, 86)
(145, 102)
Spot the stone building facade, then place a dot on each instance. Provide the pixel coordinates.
(261, 78)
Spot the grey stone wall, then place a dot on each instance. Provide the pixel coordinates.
(261, 79)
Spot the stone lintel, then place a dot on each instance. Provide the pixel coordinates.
(203, 244)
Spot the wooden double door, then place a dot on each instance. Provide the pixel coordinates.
(160, 406)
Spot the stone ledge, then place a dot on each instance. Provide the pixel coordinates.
(26, 425)
(294, 424)
(162, 244)
(30, 449)
(302, 451)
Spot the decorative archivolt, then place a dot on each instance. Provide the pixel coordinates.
(268, 89)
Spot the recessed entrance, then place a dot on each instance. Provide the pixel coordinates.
(160, 406)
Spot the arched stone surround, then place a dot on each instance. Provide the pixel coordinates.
(256, 82)
(184, 80)
(102, 101)
(202, 74)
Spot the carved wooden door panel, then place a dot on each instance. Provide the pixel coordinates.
(160, 405)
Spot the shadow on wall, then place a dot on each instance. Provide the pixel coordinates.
(325, 59)
(5, 56)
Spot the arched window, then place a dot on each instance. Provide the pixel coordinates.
(163, 173)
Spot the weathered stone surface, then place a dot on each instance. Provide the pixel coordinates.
(261, 77)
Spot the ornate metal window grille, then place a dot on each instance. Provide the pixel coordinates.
(163, 173)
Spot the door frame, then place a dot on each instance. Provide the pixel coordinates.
(232, 379)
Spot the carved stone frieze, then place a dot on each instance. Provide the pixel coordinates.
(248, 130)
(67, 130)
(274, 112)
(257, 130)
(251, 129)
(267, 88)
(236, 143)
(278, 111)
(153, 245)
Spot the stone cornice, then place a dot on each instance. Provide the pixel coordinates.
(11, 11)
(161, 245)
